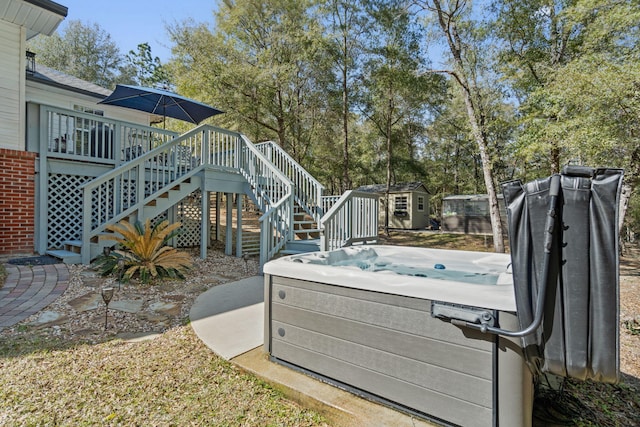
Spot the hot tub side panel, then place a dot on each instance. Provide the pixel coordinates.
(387, 345)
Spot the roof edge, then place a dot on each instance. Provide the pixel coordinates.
(50, 6)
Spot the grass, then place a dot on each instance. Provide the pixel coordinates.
(172, 380)
(3, 275)
(176, 380)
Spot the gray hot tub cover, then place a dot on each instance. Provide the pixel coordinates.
(579, 336)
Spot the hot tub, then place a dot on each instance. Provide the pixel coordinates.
(370, 319)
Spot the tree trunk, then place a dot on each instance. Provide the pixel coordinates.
(470, 91)
(346, 180)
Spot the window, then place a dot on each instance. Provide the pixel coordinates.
(420, 203)
(400, 203)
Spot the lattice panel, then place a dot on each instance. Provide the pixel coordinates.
(64, 209)
(103, 198)
(191, 218)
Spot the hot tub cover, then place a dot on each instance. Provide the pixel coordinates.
(579, 336)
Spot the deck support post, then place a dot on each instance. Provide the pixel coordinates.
(228, 244)
(239, 225)
(205, 224)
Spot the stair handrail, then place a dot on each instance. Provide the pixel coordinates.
(352, 219)
(114, 195)
(276, 228)
(268, 184)
(307, 190)
(166, 166)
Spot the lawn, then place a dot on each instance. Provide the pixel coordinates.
(172, 380)
(176, 380)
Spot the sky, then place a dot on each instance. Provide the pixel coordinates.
(131, 22)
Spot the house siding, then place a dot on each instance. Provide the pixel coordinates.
(11, 86)
(17, 201)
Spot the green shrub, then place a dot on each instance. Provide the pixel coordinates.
(143, 252)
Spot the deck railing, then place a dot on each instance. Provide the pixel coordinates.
(75, 135)
(125, 190)
(276, 228)
(148, 161)
(352, 219)
(307, 190)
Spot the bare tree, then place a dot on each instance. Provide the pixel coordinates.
(448, 15)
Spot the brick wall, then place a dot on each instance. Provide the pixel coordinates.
(17, 201)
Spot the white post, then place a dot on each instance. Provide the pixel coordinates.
(205, 224)
(228, 244)
(239, 225)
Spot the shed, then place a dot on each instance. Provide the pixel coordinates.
(408, 204)
(469, 213)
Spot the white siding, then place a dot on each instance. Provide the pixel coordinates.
(11, 86)
(40, 93)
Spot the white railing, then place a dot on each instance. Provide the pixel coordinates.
(328, 202)
(307, 190)
(125, 190)
(352, 219)
(75, 135)
(268, 183)
(148, 161)
(276, 228)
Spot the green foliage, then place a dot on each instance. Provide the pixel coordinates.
(261, 64)
(83, 51)
(148, 69)
(3, 275)
(86, 51)
(144, 252)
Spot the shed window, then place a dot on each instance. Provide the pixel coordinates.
(420, 203)
(400, 203)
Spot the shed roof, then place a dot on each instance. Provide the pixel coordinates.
(395, 188)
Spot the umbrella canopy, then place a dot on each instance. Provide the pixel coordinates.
(160, 102)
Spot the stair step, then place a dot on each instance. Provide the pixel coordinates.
(307, 230)
(291, 252)
(74, 243)
(308, 245)
(67, 257)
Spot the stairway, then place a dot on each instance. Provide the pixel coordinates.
(289, 206)
(71, 252)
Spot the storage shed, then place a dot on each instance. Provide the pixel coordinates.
(408, 204)
(469, 214)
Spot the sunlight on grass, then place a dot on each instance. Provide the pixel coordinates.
(172, 380)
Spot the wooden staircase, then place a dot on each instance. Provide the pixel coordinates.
(71, 253)
(290, 213)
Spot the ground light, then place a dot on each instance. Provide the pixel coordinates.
(107, 295)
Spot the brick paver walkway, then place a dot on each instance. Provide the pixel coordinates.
(29, 289)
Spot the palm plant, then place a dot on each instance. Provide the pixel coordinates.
(144, 252)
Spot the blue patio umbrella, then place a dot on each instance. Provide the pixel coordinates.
(160, 102)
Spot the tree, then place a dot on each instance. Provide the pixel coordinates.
(539, 40)
(581, 91)
(463, 40)
(345, 45)
(147, 69)
(262, 64)
(396, 94)
(83, 51)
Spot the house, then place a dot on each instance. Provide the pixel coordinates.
(408, 204)
(71, 167)
(20, 20)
